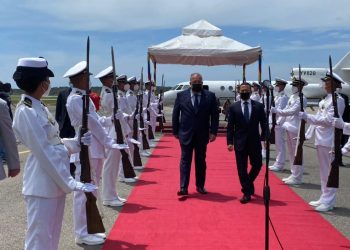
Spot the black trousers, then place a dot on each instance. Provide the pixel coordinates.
(200, 150)
(247, 179)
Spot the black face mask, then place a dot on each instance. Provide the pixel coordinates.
(245, 96)
(196, 87)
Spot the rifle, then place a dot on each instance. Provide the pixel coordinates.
(145, 144)
(93, 218)
(333, 178)
(127, 166)
(298, 156)
(150, 131)
(160, 107)
(135, 134)
(273, 116)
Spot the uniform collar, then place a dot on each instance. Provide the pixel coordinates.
(78, 91)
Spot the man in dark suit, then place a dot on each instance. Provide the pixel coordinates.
(244, 137)
(195, 123)
(62, 118)
(346, 117)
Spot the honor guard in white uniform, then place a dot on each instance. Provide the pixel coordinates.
(131, 96)
(123, 87)
(153, 106)
(281, 100)
(289, 120)
(46, 178)
(324, 140)
(112, 162)
(237, 95)
(99, 141)
(255, 96)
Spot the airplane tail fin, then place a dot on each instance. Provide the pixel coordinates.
(342, 68)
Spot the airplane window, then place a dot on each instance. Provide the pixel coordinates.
(173, 88)
(222, 88)
(185, 87)
(230, 88)
(206, 87)
(179, 87)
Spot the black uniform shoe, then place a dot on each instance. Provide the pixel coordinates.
(201, 190)
(182, 191)
(245, 199)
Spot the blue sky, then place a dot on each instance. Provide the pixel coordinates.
(289, 33)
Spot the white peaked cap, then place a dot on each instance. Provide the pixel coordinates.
(104, 72)
(76, 69)
(121, 78)
(132, 79)
(280, 80)
(33, 62)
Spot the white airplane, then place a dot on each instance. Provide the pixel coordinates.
(313, 91)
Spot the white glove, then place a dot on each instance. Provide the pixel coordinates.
(85, 187)
(119, 115)
(344, 151)
(338, 123)
(147, 122)
(133, 141)
(303, 115)
(160, 115)
(273, 110)
(86, 138)
(120, 146)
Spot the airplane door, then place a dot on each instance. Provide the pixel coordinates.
(205, 87)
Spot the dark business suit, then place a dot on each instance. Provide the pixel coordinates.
(346, 118)
(62, 118)
(246, 139)
(193, 129)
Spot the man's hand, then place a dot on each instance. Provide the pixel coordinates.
(212, 137)
(14, 172)
(230, 147)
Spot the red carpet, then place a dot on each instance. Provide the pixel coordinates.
(155, 218)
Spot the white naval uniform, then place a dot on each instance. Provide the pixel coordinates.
(96, 151)
(255, 96)
(290, 121)
(46, 178)
(281, 100)
(132, 101)
(153, 105)
(324, 141)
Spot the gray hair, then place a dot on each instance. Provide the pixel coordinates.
(193, 74)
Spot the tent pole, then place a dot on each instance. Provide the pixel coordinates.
(155, 73)
(244, 73)
(259, 73)
(149, 67)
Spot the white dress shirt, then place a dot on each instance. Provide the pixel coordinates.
(193, 97)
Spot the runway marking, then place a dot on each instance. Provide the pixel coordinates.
(24, 152)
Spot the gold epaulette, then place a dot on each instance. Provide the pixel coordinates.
(27, 102)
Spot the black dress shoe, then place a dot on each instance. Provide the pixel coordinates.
(201, 190)
(245, 199)
(182, 191)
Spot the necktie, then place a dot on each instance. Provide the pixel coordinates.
(246, 112)
(196, 103)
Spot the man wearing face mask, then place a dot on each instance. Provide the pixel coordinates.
(289, 120)
(198, 125)
(324, 139)
(243, 136)
(100, 140)
(281, 100)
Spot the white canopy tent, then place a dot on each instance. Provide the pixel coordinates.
(202, 43)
